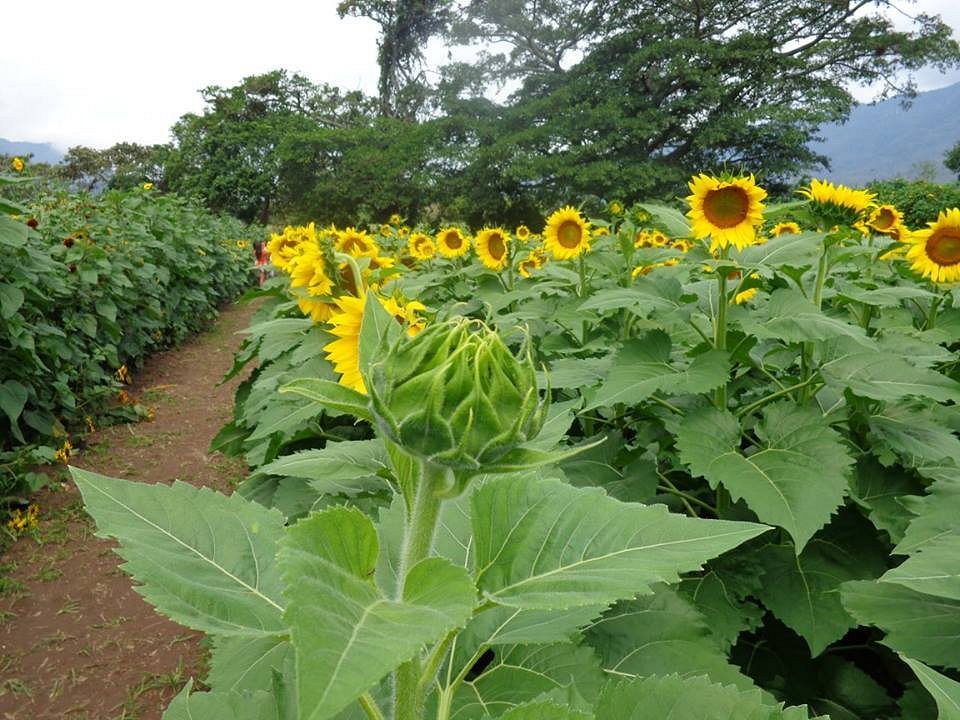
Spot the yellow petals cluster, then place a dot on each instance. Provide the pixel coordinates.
(421, 246)
(567, 234)
(65, 451)
(728, 211)
(451, 242)
(934, 252)
(534, 260)
(17, 164)
(785, 228)
(22, 522)
(841, 197)
(493, 247)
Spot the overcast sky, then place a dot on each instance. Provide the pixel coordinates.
(95, 73)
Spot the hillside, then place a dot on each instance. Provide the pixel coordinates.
(884, 140)
(42, 152)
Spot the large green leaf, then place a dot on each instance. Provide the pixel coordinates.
(544, 544)
(945, 691)
(203, 559)
(694, 698)
(341, 468)
(791, 250)
(258, 705)
(934, 570)
(11, 298)
(792, 317)
(545, 710)
(347, 634)
(883, 491)
(919, 625)
(884, 376)
(723, 595)
(378, 330)
(802, 590)
(519, 674)
(644, 366)
(241, 663)
(915, 434)
(332, 395)
(795, 479)
(937, 516)
(671, 220)
(660, 634)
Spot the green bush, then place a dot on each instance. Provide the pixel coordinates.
(98, 284)
(920, 201)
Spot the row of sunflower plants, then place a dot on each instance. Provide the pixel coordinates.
(89, 287)
(701, 465)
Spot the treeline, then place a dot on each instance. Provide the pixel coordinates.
(613, 99)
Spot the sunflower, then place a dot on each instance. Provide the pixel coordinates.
(318, 310)
(533, 261)
(386, 230)
(452, 243)
(885, 218)
(344, 352)
(395, 219)
(567, 234)
(615, 207)
(935, 251)
(356, 243)
(493, 247)
(17, 165)
(600, 231)
(728, 211)
(421, 246)
(309, 270)
(785, 228)
(522, 233)
(287, 245)
(837, 204)
(683, 246)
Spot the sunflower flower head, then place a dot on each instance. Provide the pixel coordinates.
(567, 234)
(885, 219)
(308, 270)
(837, 204)
(785, 228)
(493, 247)
(451, 242)
(17, 165)
(456, 396)
(727, 210)
(522, 233)
(421, 246)
(283, 247)
(935, 251)
(615, 207)
(356, 243)
(533, 261)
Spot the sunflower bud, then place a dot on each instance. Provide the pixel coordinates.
(454, 395)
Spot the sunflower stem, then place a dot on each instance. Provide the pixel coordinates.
(931, 321)
(806, 359)
(409, 695)
(583, 275)
(720, 328)
(354, 271)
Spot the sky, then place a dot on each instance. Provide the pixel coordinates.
(104, 71)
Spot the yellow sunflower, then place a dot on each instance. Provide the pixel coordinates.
(395, 219)
(386, 230)
(935, 251)
(822, 191)
(683, 246)
(785, 228)
(309, 270)
(290, 243)
(615, 207)
(452, 243)
(726, 211)
(601, 231)
(318, 310)
(493, 247)
(356, 243)
(533, 261)
(567, 234)
(17, 165)
(885, 218)
(522, 233)
(344, 352)
(421, 246)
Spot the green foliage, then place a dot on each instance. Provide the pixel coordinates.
(98, 284)
(920, 201)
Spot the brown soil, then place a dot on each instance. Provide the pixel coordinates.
(76, 642)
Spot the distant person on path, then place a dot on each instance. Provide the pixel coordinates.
(263, 259)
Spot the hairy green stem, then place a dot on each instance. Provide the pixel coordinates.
(417, 541)
(720, 328)
(806, 358)
(932, 313)
(746, 410)
(583, 275)
(370, 707)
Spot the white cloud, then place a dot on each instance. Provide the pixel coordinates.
(103, 71)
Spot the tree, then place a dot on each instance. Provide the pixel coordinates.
(228, 155)
(661, 90)
(121, 166)
(405, 28)
(952, 159)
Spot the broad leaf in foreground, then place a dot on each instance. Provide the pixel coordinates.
(341, 468)
(347, 634)
(802, 591)
(937, 517)
(693, 698)
(884, 376)
(239, 663)
(795, 479)
(258, 705)
(204, 559)
(919, 625)
(544, 544)
(935, 570)
(660, 634)
(791, 317)
(946, 692)
(545, 710)
(522, 673)
(331, 395)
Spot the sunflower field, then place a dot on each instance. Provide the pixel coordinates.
(89, 286)
(657, 463)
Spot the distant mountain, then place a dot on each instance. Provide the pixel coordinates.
(885, 141)
(42, 152)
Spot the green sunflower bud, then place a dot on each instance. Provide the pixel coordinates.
(455, 396)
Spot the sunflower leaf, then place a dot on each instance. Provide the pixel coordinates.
(332, 395)
(795, 478)
(945, 691)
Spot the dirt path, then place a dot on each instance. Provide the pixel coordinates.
(76, 642)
